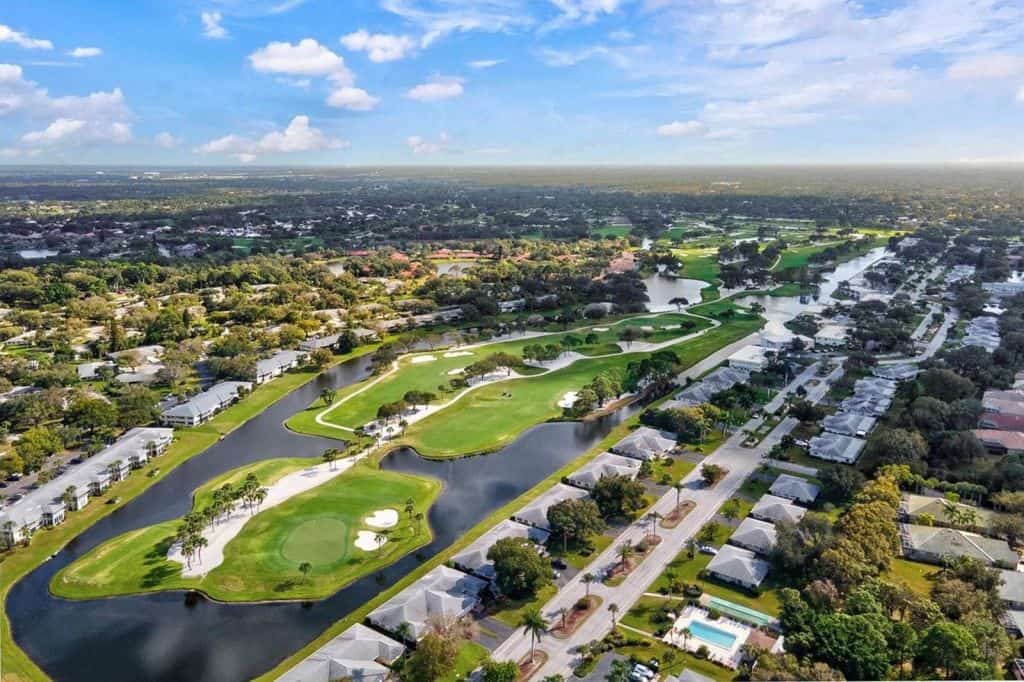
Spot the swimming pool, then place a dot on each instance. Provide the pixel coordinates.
(712, 635)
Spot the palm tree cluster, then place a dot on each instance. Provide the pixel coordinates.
(190, 533)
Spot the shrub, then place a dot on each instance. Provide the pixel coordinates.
(714, 614)
(693, 591)
(702, 652)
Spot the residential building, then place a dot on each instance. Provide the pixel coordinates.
(536, 512)
(359, 653)
(750, 358)
(836, 448)
(605, 464)
(645, 443)
(942, 512)
(777, 510)
(873, 406)
(1001, 442)
(738, 566)
(474, 559)
(1011, 589)
(441, 593)
(896, 372)
(757, 536)
(934, 545)
(277, 364)
(795, 488)
(1002, 422)
(318, 342)
(200, 407)
(849, 424)
(831, 336)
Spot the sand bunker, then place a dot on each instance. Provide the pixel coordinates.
(457, 370)
(647, 329)
(366, 540)
(457, 354)
(382, 518)
(568, 400)
(600, 329)
(420, 359)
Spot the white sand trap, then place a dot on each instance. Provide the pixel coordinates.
(366, 540)
(382, 518)
(420, 359)
(457, 370)
(600, 329)
(568, 399)
(647, 329)
(457, 354)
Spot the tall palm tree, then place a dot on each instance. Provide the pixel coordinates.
(419, 521)
(533, 624)
(304, 568)
(678, 487)
(330, 455)
(563, 612)
(199, 542)
(380, 538)
(670, 579)
(404, 631)
(587, 579)
(653, 519)
(613, 609)
(625, 551)
(686, 633)
(410, 507)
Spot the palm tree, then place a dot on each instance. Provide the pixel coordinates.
(404, 631)
(653, 519)
(613, 609)
(625, 551)
(330, 455)
(670, 579)
(678, 486)
(380, 538)
(258, 496)
(587, 579)
(685, 632)
(691, 548)
(563, 612)
(328, 395)
(533, 624)
(69, 496)
(410, 507)
(419, 521)
(304, 568)
(199, 542)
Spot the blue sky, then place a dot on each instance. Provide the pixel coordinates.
(366, 82)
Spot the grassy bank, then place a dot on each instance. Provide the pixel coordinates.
(262, 562)
(187, 443)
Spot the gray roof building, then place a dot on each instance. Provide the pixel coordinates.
(836, 448)
(536, 512)
(474, 559)
(934, 545)
(757, 536)
(358, 653)
(900, 372)
(849, 423)
(1011, 589)
(605, 464)
(794, 488)
(776, 510)
(202, 406)
(738, 566)
(441, 593)
(644, 443)
(871, 405)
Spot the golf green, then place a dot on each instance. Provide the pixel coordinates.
(318, 541)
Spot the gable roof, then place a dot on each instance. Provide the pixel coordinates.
(940, 542)
(358, 653)
(1011, 588)
(644, 443)
(898, 372)
(605, 464)
(474, 557)
(836, 448)
(756, 535)
(536, 512)
(938, 508)
(848, 423)
(443, 592)
(210, 400)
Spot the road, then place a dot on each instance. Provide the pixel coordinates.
(731, 455)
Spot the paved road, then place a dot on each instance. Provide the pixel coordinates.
(740, 463)
(933, 344)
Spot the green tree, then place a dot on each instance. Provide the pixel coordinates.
(433, 659)
(575, 521)
(534, 625)
(618, 496)
(945, 645)
(519, 570)
(500, 671)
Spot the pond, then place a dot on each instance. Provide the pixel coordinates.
(661, 290)
(176, 636)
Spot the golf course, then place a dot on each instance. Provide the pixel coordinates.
(305, 548)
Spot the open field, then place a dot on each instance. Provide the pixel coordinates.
(612, 231)
(261, 563)
(187, 444)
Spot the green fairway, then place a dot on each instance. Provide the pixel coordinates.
(319, 526)
(611, 231)
(359, 402)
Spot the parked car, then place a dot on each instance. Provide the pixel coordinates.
(707, 549)
(559, 564)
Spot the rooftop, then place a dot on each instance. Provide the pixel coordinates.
(849, 423)
(942, 542)
(794, 488)
(474, 557)
(536, 512)
(739, 564)
(644, 443)
(756, 535)
(836, 448)
(358, 653)
(443, 592)
(777, 509)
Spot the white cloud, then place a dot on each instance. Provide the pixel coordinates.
(212, 27)
(166, 140)
(379, 47)
(305, 58)
(1020, 95)
(682, 129)
(353, 99)
(55, 132)
(995, 66)
(438, 18)
(299, 136)
(581, 11)
(9, 35)
(437, 89)
(485, 63)
(85, 52)
(622, 56)
(421, 145)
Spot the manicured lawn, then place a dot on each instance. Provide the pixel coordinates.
(512, 610)
(675, 471)
(702, 264)
(611, 231)
(913, 574)
(686, 570)
(580, 557)
(187, 443)
(680, 660)
(262, 561)
(470, 655)
(646, 611)
(359, 403)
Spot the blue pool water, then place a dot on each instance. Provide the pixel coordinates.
(712, 635)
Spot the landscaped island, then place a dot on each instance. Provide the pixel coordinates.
(307, 547)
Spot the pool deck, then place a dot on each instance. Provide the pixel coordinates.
(728, 656)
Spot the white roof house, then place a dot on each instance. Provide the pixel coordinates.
(644, 443)
(794, 488)
(277, 364)
(1011, 589)
(318, 342)
(443, 592)
(751, 358)
(777, 509)
(474, 559)
(757, 536)
(899, 372)
(202, 406)
(849, 424)
(873, 406)
(738, 566)
(605, 464)
(358, 653)
(89, 479)
(536, 512)
(836, 448)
